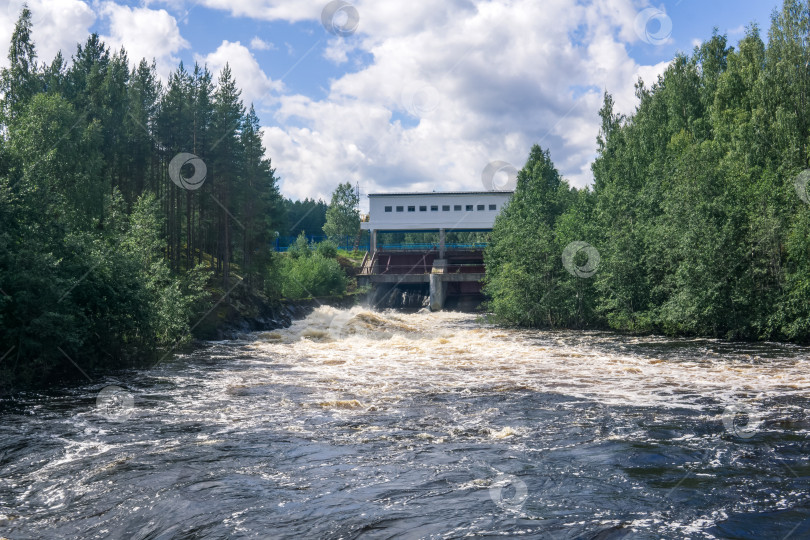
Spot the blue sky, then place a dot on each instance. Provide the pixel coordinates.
(419, 96)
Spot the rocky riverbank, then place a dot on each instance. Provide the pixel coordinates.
(248, 312)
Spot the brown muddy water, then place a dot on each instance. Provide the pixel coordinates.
(361, 424)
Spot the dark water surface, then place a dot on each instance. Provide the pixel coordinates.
(353, 424)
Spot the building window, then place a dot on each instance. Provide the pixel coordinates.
(434, 208)
(423, 208)
(469, 208)
(456, 207)
(387, 208)
(445, 208)
(492, 207)
(481, 207)
(400, 209)
(411, 209)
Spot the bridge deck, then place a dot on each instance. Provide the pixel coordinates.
(410, 262)
(425, 278)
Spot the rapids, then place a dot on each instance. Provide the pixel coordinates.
(363, 424)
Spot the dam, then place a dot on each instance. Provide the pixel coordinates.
(449, 270)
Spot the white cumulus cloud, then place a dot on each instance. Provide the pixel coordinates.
(256, 86)
(429, 92)
(57, 26)
(144, 33)
(288, 10)
(259, 44)
(454, 86)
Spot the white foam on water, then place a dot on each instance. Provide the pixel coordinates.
(373, 356)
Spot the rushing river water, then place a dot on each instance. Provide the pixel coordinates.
(355, 424)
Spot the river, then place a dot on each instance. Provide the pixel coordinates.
(359, 424)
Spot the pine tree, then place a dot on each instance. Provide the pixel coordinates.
(226, 163)
(20, 81)
(257, 200)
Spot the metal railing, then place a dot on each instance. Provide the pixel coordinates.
(422, 267)
(433, 246)
(347, 242)
(283, 243)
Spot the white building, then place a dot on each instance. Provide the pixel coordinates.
(432, 211)
(428, 212)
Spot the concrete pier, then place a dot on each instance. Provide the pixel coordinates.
(438, 290)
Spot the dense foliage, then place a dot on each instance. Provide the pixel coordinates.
(698, 214)
(104, 255)
(307, 216)
(343, 216)
(311, 271)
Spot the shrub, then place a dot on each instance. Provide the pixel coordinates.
(300, 248)
(327, 249)
(315, 275)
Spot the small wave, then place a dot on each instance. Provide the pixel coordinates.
(341, 404)
(503, 433)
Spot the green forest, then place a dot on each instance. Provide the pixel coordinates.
(698, 220)
(307, 216)
(130, 209)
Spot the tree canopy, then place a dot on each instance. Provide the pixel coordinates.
(104, 246)
(343, 216)
(694, 213)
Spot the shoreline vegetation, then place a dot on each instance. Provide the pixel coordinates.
(698, 220)
(137, 215)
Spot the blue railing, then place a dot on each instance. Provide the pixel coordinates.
(430, 246)
(283, 243)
